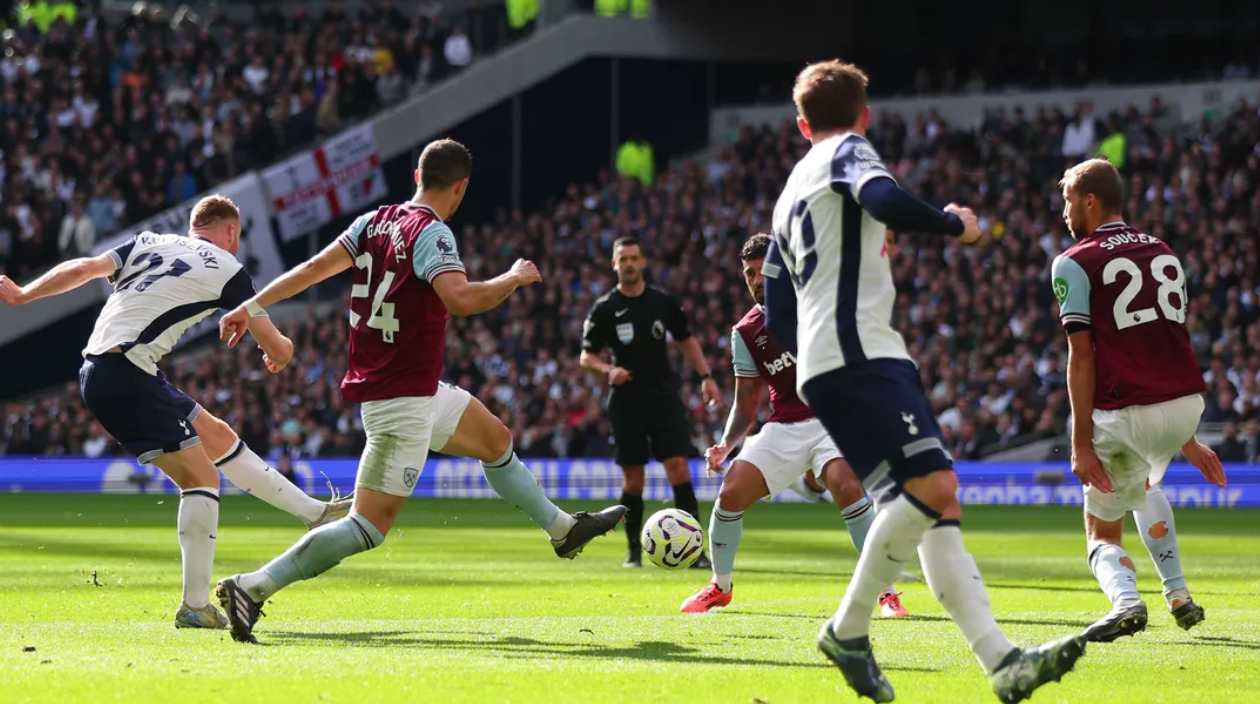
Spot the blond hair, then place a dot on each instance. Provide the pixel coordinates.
(212, 209)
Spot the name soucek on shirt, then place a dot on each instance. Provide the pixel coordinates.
(634, 328)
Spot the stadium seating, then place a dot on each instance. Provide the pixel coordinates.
(980, 320)
(103, 125)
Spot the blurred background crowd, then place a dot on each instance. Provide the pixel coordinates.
(101, 126)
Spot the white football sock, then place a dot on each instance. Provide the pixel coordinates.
(896, 533)
(1159, 534)
(952, 576)
(198, 527)
(1114, 570)
(561, 526)
(259, 585)
(251, 473)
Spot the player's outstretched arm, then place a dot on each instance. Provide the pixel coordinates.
(902, 211)
(740, 420)
(1081, 373)
(330, 262)
(66, 276)
(463, 297)
(277, 348)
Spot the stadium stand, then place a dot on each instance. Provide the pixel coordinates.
(104, 124)
(980, 320)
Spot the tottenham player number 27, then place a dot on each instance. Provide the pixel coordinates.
(151, 261)
(381, 315)
(1168, 285)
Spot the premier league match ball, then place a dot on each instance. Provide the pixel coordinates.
(672, 539)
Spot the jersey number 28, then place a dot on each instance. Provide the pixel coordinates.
(381, 315)
(1168, 285)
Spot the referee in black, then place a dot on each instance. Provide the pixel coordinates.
(644, 405)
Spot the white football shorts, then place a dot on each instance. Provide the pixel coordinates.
(1135, 445)
(400, 434)
(785, 451)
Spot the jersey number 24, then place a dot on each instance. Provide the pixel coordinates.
(381, 315)
(1168, 285)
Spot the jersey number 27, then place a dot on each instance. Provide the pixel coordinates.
(1168, 285)
(381, 315)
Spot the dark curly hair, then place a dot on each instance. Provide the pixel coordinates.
(755, 247)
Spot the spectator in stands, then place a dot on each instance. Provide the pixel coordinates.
(1221, 409)
(78, 234)
(389, 86)
(101, 209)
(284, 465)
(182, 186)
(981, 321)
(458, 49)
(97, 443)
(90, 107)
(1230, 448)
(1078, 135)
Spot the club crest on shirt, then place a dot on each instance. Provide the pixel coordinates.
(658, 330)
(625, 333)
(1061, 289)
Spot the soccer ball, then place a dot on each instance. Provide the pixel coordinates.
(672, 539)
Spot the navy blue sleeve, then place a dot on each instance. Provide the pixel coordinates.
(120, 255)
(237, 290)
(897, 208)
(855, 164)
(780, 299)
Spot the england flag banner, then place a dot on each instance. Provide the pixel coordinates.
(314, 188)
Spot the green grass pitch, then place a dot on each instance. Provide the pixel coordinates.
(466, 603)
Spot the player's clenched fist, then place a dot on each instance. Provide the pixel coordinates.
(971, 226)
(525, 272)
(10, 292)
(232, 326)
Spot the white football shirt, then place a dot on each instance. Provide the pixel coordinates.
(163, 285)
(835, 255)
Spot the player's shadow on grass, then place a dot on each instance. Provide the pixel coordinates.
(843, 576)
(1020, 621)
(915, 617)
(1041, 587)
(49, 545)
(1060, 588)
(1222, 642)
(529, 648)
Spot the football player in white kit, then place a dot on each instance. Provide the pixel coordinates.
(791, 442)
(829, 288)
(163, 285)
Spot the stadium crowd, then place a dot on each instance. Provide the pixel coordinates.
(103, 125)
(981, 320)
